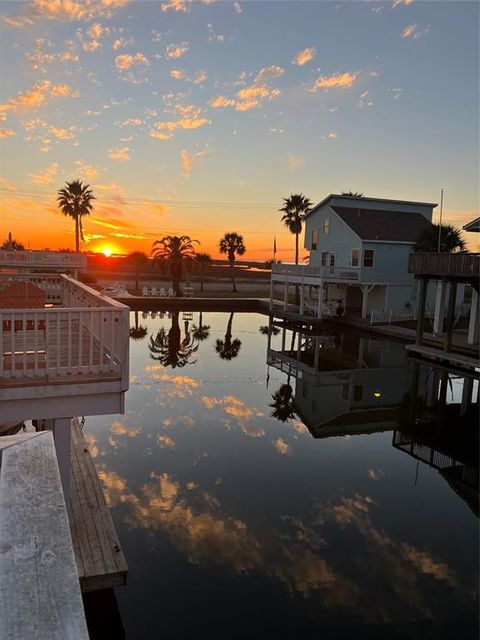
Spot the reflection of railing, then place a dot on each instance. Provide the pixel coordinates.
(84, 339)
(340, 273)
(387, 317)
(46, 259)
(445, 264)
(423, 452)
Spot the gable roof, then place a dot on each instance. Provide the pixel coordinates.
(364, 200)
(473, 226)
(386, 226)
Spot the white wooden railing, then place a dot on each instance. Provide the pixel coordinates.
(387, 317)
(51, 283)
(86, 338)
(299, 270)
(43, 259)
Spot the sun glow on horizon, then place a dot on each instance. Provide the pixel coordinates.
(107, 252)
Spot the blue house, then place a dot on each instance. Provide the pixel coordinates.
(358, 257)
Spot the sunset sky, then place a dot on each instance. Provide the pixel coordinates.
(199, 117)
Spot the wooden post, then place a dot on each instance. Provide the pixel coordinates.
(302, 299)
(452, 296)
(271, 293)
(317, 353)
(285, 293)
(439, 308)
(421, 310)
(284, 335)
(466, 395)
(473, 324)
(320, 301)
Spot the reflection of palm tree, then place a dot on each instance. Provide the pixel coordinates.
(265, 330)
(138, 332)
(202, 332)
(228, 349)
(169, 348)
(283, 405)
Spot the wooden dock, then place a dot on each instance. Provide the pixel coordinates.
(464, 363)
(100, 560)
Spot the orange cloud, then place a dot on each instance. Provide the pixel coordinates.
(68, 10)
(176, 5)
(336, 80)
(282, 447)
(189, 160)
(126, 61)
(409, 31)
(120, 153)
(267, 73)
(38, 96)
(175, 51)
(177, 74)
(86, 171)
(7, 133)
(165, 130)
(220, 102)
(304, 56)
(132, 122)
(46, 177)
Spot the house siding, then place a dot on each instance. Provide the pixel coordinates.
(340, 240)
(390, 263)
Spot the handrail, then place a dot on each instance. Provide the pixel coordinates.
(323, 271)
(445, 264)
(43, 259)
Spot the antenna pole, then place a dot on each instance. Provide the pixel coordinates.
(440, 224)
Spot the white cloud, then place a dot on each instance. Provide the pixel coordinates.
(189, 160)
(46, 177)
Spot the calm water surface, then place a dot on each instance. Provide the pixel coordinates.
(236, 523)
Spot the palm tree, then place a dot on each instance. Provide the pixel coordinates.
(169, 348)
(228, 349)
(138, 332)
(203, 260)
(139, 259)
(283, 404)
(75, 200)
(232, 244)
(265, 330)
(294, 209)
(352, 194)
(174, 250)
(450, 239)
(202, 332)
(12, 245)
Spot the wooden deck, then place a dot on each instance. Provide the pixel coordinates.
(461, 362)
(100, 560)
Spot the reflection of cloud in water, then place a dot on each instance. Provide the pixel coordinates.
(236, 408)
(292, 554)
(121, 429)
(165, 442)
(282, 447)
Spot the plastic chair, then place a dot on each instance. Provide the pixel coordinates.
(144, 291)
(171, 292)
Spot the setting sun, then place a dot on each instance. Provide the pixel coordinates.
(107, 252)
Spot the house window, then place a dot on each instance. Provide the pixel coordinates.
(368, 258)
(314, 239)
(355, 257)
(357, 392)
(326, 226)
(324, 258)
(345, 391)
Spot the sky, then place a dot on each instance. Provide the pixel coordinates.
(198, 118)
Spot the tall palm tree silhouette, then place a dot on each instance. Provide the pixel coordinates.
(174, 250)
(232, 244)
(138, 332)
(75, 201)
(283, 404)
(202, 331)
(294, 209)
(228, 349)
(169, 348)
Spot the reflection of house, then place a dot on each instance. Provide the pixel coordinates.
(359, 251)
(344, 384)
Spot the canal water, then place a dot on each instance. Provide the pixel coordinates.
(329, 496)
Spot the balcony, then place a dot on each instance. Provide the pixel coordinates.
(43, 260)
(460, 266)
(298, 271)
(74, 346)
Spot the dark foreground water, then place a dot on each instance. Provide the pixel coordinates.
(336, 524)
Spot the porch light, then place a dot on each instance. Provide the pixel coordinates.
(377, 394)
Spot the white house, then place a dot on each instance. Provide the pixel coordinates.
(358, 256)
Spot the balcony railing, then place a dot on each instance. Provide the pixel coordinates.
(457, 265)
(299, 270)
(83, 340)
(43, 259)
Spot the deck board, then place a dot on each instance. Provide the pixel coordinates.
(100, 561)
